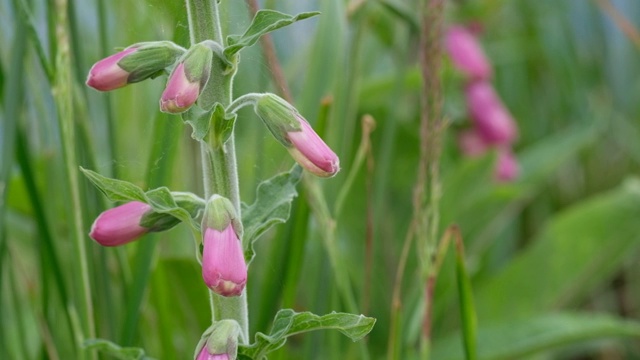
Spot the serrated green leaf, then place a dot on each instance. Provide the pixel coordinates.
(115, 190)
(264, 22)
(288, 323)
(517, 339)
(110, 348)
(272, 206)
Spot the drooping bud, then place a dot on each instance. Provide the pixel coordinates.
(125, 223)
(507, 168)
(187, 79)
(295, 133)
(136, 63)
(466, 53)
(224, 269)
(219, 342)
(492, 119)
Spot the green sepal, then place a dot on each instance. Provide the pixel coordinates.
(264, 22)
(220, 213)
(288, 323)
(279, 116)
(150, 60)
(272, 206)
(220, 338)
(197, 63)
(116, 351)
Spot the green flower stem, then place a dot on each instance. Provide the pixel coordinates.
(220, 174)
(242, 101)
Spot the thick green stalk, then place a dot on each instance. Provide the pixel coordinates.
(220, 174)
(63, 90)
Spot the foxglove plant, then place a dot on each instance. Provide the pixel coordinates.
(199, 89)
(493, 126)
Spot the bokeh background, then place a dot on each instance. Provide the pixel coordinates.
(552, 256)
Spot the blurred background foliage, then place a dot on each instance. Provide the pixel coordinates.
(552, 256)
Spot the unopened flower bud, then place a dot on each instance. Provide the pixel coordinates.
(220, 341)
(507, 168)
(295, 133)
(224, 269)
(466, 53)
(492, 119)
(136, 63)
(187, 79)
(125, 223)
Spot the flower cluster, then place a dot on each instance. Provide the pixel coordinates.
(493, 126)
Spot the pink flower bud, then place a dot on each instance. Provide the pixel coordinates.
(205, 355)
(507, 168)
(472, 143)
(120, 225)
(180, 92)
(311, 152)
(466, 53)
(492, 119)
(106, 75)
(223, 267)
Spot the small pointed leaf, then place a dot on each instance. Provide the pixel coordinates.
(264, 22)
(115, 190)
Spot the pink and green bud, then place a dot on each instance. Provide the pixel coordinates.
(466, 53)
(295, 133)
(219, 342)
(187, 80)
(491, 118)
(224, 269)
(136, 63)
(125, 223)
(507, 168)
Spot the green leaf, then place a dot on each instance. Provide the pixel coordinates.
(200, 121)
(264, 22)
(272, 206)
(288, 323)
(579, 249)
(517, 339)
(123, 353)
(115, 190)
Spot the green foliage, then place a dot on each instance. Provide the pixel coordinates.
(288, 323)
(264, 22)
(272, 206)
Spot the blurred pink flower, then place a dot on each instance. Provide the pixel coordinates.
(466, 53)
(507, 168)
(205, 355)
(106, 75)
(120, 225)
(472, 143)
(492, 119)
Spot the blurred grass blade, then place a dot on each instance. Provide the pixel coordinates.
(516, 339)
(577, 250)
(467, 308)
